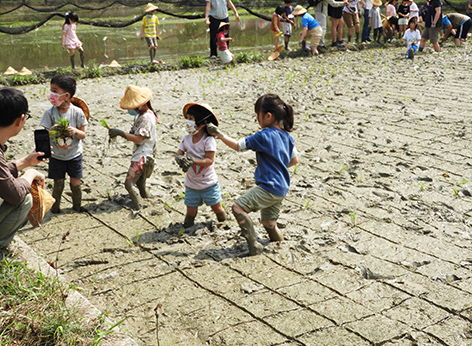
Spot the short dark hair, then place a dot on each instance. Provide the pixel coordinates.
(279, 10)
(65, 82)
(13, 104)
(71, 15)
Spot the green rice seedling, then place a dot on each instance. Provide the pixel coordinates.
(308, 203)
(60, 129)
(456, 192)
(326, 109)
(181, 232)
(229, 112)
(295, 169)
(104, 124)
(352, 214)
(343, 169)
(463, 182)
(422, 186)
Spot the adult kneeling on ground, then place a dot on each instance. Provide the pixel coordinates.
(15, 197)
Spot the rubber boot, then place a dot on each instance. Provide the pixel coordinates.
(57, 194)
(247, 230)
(82, 58)
(135, 199)
(349, 38)
(221, 216)
(151, 54)
(274, 233)
(143, 190)
(72, 63)
(357, 38)
(76, 197)
(189, 221)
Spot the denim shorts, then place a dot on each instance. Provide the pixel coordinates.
(259, 199)
(58, 168)
(195, 198)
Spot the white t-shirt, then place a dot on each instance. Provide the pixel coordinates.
(412, 37)
(414, 11)
(144, 125)
(198, 177)
(352, 6)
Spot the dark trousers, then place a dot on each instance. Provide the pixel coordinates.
(365, 29)
(214, 24)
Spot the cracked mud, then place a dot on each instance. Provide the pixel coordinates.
(377, 227)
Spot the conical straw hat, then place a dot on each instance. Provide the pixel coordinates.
(150, 7)
(10, 71)
(25, 72)
(273, 56)
(82, 105)
(114, 63)
(42, 202)
(212, 118)
(135, 97)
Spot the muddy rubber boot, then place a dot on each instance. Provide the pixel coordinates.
(82, 58)
(189, 221)
(57, 194)
(143, 190)
(274, 233)
(72, 63)
(76, 198)
(221, 216)
(247, 230)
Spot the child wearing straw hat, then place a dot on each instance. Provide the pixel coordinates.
(137, 101)
(311, 28)
(149, 30)
(222, 42)
(196, 157)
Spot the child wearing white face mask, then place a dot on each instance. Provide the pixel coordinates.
(143, 134)
(196, 157)
(66, 145)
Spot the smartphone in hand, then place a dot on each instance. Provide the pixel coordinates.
(41, 141)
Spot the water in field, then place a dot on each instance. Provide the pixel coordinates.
(42, 48)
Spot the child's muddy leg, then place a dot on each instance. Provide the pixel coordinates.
(190, 217)
(57, 194)
(274, 232)
(148, 168)
(247, 230)
(72, 57)
(219, 211)
(82, 57)
(143, 190)
(76, 194)
(129, 182)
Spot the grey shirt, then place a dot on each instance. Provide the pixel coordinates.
(218, 9)
(71, 147)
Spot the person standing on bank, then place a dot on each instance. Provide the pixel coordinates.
(216, 11)
(15, 197)
(321, 13)
(150, 32)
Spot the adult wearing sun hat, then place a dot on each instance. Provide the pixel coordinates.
(137, 100)
(216, 11)
(311, 28)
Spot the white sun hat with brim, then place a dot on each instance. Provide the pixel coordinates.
(299, 10)
(135, 97)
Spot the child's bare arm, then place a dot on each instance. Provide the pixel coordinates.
(79, 132)
(226, 39)
(215, 131)
(293, 161)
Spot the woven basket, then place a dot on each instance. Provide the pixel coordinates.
(42, 202)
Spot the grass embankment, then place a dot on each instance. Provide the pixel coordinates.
(33, 311)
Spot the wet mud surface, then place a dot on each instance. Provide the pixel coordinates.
(377, 220)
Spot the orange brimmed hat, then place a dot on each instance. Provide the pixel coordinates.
(82, 105)
(42, 202)
(150, 7)
(201, 108)
(135, 97)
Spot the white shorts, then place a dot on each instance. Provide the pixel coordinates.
(225, 56)
(287, 28)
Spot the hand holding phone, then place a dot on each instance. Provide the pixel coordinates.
(41, 141)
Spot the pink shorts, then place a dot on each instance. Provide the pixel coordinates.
(137, 166)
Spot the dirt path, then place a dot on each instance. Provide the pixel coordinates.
(377, 220)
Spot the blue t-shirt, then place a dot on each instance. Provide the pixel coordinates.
(309, 22)
(274, 150)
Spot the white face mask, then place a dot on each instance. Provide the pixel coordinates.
(191, 126)
(54, 98)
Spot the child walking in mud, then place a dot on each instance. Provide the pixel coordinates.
(225, 55)
(275, 153)
(70, 39)
(275, 25)
(196, 157)
(137, 101)
(66, 124)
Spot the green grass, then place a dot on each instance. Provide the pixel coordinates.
(33, 311)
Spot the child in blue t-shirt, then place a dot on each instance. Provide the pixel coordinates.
(275, 153)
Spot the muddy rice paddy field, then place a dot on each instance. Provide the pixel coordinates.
(377, 221)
